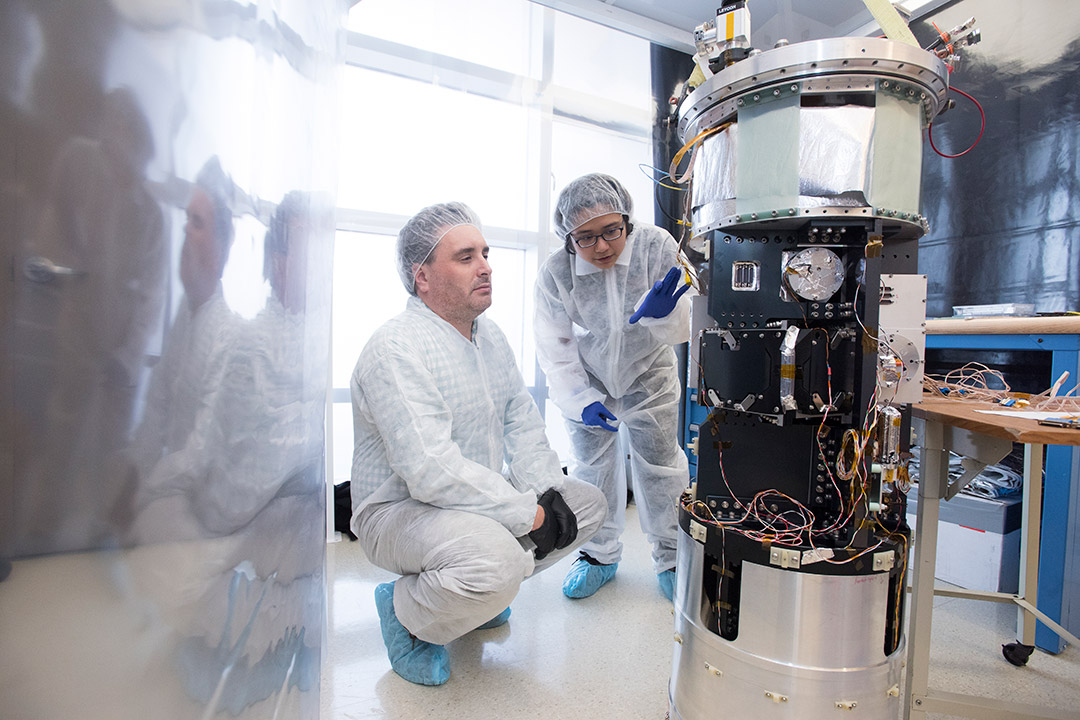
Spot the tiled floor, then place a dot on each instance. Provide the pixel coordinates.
(609, 656)
(965, 657)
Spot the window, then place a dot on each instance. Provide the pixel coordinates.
(604, 63)
(408, 144)
(577, 149)
(460, 29)
(361, 302)
(437, 107)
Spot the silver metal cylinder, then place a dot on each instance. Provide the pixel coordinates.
(808, 646)
(823, 129)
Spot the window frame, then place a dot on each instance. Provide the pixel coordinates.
(548, 104)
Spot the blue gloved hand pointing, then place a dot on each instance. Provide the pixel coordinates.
(597, 415)
(662, 298)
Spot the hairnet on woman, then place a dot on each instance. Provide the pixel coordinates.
(609, 309)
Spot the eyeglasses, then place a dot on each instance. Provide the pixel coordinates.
(610, 235)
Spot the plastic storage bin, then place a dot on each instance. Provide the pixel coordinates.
(978, 544)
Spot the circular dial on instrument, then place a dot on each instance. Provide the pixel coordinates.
(814, 273)
(898, 363)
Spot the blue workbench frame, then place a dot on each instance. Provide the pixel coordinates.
(1059, 514)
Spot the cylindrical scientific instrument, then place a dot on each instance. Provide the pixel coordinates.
(805, 211)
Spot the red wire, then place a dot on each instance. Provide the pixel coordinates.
(948, 45)
(982, 127)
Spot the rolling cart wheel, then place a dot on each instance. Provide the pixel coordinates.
(1017, 653)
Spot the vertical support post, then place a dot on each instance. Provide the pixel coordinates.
(1057, 587)
(933, 477)
(1029, 540)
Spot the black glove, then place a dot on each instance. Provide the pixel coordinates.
(559, 529)
(565, 516)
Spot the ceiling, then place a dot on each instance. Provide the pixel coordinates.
(672, 22)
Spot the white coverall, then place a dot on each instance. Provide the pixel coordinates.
(435, 417)
(591, 353)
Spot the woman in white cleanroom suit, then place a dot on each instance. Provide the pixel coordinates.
(608, 311)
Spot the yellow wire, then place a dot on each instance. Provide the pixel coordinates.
(690, 143)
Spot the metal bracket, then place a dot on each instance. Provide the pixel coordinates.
(884, 561)
(762, 96)
(746, 404)
(977, 450)
(785, 557)
(698, 531)
(972, 468)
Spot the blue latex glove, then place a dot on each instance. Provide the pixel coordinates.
(597, 415)
(662, 298)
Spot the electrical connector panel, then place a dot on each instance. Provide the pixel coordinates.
(902, 338)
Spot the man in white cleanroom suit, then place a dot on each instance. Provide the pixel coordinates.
(454, 486)
(180, 450)
(608, 311)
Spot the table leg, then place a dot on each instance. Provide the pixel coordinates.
(1029, 541)
(933, 476)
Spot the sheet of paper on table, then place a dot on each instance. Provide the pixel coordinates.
(1030, 414)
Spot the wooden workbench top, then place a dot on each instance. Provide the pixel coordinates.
(1064, 325)
(963, 414)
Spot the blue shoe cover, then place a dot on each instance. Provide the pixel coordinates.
(667, 583)
(496, 621)
(584, 578)
(413, 659)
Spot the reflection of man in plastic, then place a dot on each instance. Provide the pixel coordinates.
(285, 258)
(272, 445)
(286, 345)
(187, 408)
(287, 354)
(102, 223)
(256, 630)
